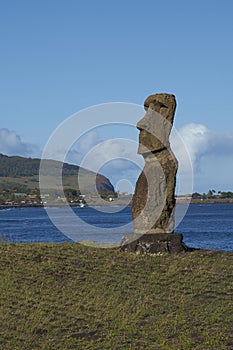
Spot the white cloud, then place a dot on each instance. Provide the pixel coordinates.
(210, 153)
(200, 141)
(204, 152)
(220, 143)
(195, 146)
(11, 144)
(88, 141)
(195, 139)
(116, 159)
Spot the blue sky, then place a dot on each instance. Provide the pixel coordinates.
(58, 57)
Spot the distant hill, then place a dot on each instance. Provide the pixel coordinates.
(23, 173)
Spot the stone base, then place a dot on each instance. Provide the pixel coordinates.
(153, 243)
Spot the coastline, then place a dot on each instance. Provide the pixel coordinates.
(212, 201)
(121, 202)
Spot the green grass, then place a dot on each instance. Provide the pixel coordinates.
(70, 296)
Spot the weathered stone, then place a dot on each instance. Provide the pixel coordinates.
(153, 244)
(164, 104)
(154, 199)
(155, 126)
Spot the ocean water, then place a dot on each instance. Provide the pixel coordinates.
(206, 226)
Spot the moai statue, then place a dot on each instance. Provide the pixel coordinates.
(154, 197)
(153, 202)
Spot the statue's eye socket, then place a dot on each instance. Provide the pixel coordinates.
(163, 106)
(156, 103)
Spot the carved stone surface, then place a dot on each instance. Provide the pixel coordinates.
(153, 202)
(155, 126)
(154, 198)
(153, 244)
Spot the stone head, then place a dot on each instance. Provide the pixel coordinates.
(155, 126)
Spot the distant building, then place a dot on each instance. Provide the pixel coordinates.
(23, 195)
(183, 199)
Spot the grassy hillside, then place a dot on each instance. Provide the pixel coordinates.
(69, 296)
(20, 174)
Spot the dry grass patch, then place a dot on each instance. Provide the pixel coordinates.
(69, 296)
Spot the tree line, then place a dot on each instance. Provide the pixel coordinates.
(212, 194)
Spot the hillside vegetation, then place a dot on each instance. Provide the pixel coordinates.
(18, 174)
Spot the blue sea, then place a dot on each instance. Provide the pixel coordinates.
(206, 226)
